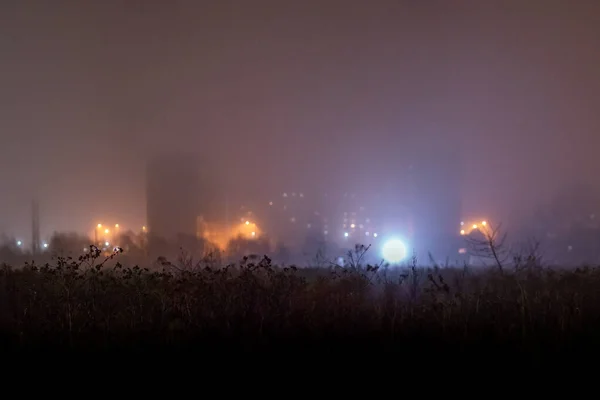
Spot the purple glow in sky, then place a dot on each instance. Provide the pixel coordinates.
(277, 91)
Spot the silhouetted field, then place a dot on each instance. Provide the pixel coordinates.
(432, 315)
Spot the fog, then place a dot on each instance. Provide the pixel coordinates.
(273, 92)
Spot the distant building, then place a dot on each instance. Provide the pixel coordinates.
(173, 194)
(344, 218)
(436, 181)
(417, 201)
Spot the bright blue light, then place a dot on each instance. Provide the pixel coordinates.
(394, 251)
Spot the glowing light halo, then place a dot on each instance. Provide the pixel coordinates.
(394, 251)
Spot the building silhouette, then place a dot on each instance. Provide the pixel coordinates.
(436, 181)
(173, 195)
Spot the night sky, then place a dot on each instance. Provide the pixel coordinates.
(272, 92)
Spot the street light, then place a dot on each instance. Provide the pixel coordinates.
(394, 251)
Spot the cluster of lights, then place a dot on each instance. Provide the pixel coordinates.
(346, 234)
(248, 223)
(117, 226)
(107, 231)
(473, 227)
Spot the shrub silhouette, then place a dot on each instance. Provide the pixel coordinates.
(83, 303)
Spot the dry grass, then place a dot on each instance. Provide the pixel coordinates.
(85, 305)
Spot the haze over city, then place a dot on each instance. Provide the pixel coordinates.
(288, 181)
(275, 93)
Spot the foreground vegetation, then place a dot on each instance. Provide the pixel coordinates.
(84, 305)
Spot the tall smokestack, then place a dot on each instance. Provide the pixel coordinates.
(35, 227)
